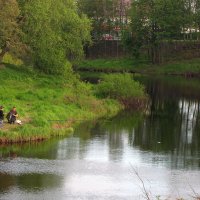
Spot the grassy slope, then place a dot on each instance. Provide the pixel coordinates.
(127, 64)
(42, 100)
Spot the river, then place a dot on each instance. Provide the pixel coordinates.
(111, 159)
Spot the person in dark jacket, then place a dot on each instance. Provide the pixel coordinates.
(1, 116)
(12, 115)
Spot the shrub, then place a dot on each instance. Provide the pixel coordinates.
(123, 88)
(118, 86)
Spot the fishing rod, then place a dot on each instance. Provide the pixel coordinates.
(62, 120)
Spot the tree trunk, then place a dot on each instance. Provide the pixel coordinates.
(2, 53)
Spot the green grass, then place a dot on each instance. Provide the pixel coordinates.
(43, 100)
(130, 65)
(107, 65)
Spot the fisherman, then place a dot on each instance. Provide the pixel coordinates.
(1, 116)
(12, 116)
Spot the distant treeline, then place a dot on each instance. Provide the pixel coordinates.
(167, 28)
(144, 26)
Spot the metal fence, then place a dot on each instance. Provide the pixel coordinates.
(105, 49)
(165, 51)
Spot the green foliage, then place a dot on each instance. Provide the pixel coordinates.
(120, 86)
(55, 33)
(10, 59)
(47, 103)
(157, 21)
(96, 11)
(169, 18)
(10, 32)
(106, 15)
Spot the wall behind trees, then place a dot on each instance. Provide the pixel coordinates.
(105, 49)
(159, 24)
(176, 50)
(167, 51)
(160, 30)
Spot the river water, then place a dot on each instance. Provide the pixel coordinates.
(112, 159)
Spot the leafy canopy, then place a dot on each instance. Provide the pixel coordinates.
(55, 32)
(119, 86)
(10, 32)
(155, 21)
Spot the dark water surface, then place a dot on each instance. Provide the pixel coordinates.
(98, 161)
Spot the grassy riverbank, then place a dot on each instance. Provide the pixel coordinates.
(47, 105)
(183, 67)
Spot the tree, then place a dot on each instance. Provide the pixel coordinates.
(54, 32)
(197, 16)
(155, 21)
(10, 32)
(106, 15)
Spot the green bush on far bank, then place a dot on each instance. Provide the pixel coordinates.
(121, 87)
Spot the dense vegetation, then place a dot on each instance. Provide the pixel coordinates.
(155, 23)
(48, 105)
(108, 16)
(150, 29)
(49, 33)
(10, 32)
(123, 88)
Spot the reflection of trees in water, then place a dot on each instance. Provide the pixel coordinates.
(159, 126)
(188, 144)
(189, 112)
(29, 181)
(174, 121)
(119, 129)
(125, 121)
(38, 181)
(46, 149)
(171, 87)
(6, 181)
(173, 126)
(112, 134)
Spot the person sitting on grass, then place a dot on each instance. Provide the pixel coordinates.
(12, 116)
(1, 116)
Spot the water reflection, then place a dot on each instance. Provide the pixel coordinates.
(173, 126)
(29, 182)
(189, 112)
(6, 182)
(43, 150)
(95, 163)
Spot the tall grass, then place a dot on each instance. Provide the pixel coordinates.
(47, 105)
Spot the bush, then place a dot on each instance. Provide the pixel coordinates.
(117, 86)
(123, 88)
